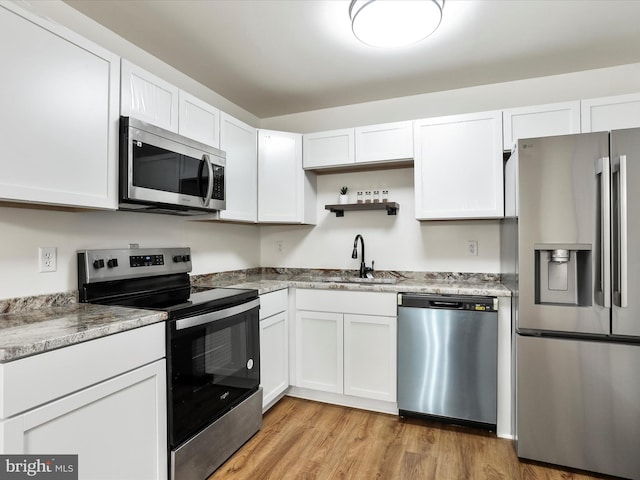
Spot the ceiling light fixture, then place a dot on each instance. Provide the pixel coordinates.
(394, 23)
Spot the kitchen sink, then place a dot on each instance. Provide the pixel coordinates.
(367, 281)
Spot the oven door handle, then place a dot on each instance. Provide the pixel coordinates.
(217, 315)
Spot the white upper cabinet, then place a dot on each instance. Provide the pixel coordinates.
(610, 113)
(59, 121)
(148, 97)
(458, 166)
(198, 120)
(240, 142)
(383, 143)
(286, 193)
(329, 149)
(387, 142)
(540, 121)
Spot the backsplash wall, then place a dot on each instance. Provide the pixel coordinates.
(215, 246)
(395, 242)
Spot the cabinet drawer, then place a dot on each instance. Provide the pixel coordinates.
(50, 375)
(273, 302)
(341, 301)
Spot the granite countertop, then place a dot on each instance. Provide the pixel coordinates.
(269, 279)
(33, 325)
(28, 332)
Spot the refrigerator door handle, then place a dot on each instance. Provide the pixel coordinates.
(621, 297)
(603, 170)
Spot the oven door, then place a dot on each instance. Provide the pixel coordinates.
(161, 168)
(213, 364)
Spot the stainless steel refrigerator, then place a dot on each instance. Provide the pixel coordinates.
(571, 255)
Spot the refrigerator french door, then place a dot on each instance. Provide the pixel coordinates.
(571, 203)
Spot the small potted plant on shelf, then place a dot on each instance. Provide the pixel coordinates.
(344, 198)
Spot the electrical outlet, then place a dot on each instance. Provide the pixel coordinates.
(279, 246)
(472, 248)
(48, 259)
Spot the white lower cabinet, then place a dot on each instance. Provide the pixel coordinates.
(346, 343)
(274, 346)
(116, 422)
(370, 356)
(117, 428)
(319, 350)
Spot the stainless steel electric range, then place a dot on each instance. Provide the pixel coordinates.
(212, 345)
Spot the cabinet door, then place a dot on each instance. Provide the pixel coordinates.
(610, 113)
(540, 121)
(286, 194)
(274, 357)
(370, 356)
(390, 141)
(118, 427)
(319, 351)
(240, 142)
(198, 120)
(148, 98)
(329, 149)
(458, 167)
(59, 121)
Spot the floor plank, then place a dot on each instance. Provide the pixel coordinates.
(305, 440)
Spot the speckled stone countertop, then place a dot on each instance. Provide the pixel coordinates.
(25, 332)
(32, 325)
(270, 279)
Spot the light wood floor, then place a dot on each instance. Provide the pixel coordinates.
(301, 439)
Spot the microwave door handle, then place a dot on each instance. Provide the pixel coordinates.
(207, 198)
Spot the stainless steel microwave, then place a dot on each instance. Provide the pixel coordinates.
(163, 172)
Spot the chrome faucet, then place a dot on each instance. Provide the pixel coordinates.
(364, 270)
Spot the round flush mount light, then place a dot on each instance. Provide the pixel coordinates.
(394, 23)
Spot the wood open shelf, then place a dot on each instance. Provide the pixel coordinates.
(340, 208)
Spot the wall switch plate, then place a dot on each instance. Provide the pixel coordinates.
(472, 248)
(48, 259)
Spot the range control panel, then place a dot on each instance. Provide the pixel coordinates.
(117, 264)
(146, 260)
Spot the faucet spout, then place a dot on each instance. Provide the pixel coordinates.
(354, 254)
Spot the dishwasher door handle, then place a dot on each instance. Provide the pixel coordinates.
(447, 305)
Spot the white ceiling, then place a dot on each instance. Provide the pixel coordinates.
(274, 57)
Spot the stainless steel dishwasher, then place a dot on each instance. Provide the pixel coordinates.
(447, 358)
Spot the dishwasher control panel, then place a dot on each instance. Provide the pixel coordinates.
(448, 302)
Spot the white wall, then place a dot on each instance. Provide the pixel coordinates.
(215, 246)
(395, 242)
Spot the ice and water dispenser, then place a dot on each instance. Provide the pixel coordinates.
(563, 274)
